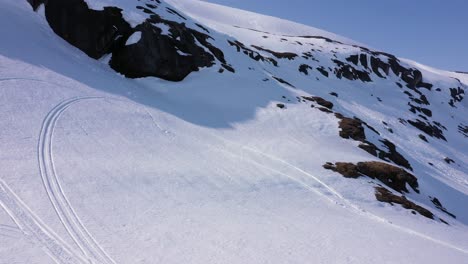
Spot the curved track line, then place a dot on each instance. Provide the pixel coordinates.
(335, 193)
(33, 227)
(67, 215)
(300, 182)
(75, 228)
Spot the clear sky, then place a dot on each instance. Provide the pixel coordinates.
(432, 32)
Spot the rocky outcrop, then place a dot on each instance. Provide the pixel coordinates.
(319, 100)
(463, 129)
(392, 176)
(353, 128)
(94, 32)
(386, 196)
(98, 32)
(251, 53)
(170, 57)
(433, 130)
(349, 72)
(35, 3)
(439, 206)
(279, 55)
(457, 95)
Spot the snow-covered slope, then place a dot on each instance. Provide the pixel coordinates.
(226, 166)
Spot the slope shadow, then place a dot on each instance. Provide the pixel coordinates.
(219, 102)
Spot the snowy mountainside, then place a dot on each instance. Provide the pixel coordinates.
(180, 131)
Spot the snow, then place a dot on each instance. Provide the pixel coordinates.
(97, 168)
(134, 38)
(226, 19)
(132, 15)
(164, 28)
(183, 53)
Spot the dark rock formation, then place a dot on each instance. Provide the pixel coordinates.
(322, 70)
(283, 81)
(251, 53)
(393, 155)
(170, 57)
(392, 176)
(347, 169)
(463, 129)
(439, 206)
(281, 106)
(384, 195)
(94, 32)
(35, 3)
(432, 130)
(349, 72)
(320, 101)
(102, 32)
(457, 95)
(422, 137)
(279, 55)
(449, 160)
(304, 68)
(351, 128)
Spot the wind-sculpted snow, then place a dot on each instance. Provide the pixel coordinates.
(181, 131)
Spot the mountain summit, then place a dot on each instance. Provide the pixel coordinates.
(180, 131)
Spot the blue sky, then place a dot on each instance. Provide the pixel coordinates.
(433, 32)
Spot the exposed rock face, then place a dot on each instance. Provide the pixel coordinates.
(439, 206)
(279, 55)
(320, 101)
(463, 129)
(251, 53)
(171, 57)
(94, 32)
(35, 3)
(392, 176)
(347, 169)
(384, 195)
(353, 128)
(350, 73)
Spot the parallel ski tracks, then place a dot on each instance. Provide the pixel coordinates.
(33, 228)
(91, 250)
(88, 245)
(338, 198)
(62, 206)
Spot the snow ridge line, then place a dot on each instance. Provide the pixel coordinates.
(68, 217)
(32, 227)
(335, 193)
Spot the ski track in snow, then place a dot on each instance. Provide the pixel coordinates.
(32, 227)
(68, 217)
(345, 202)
